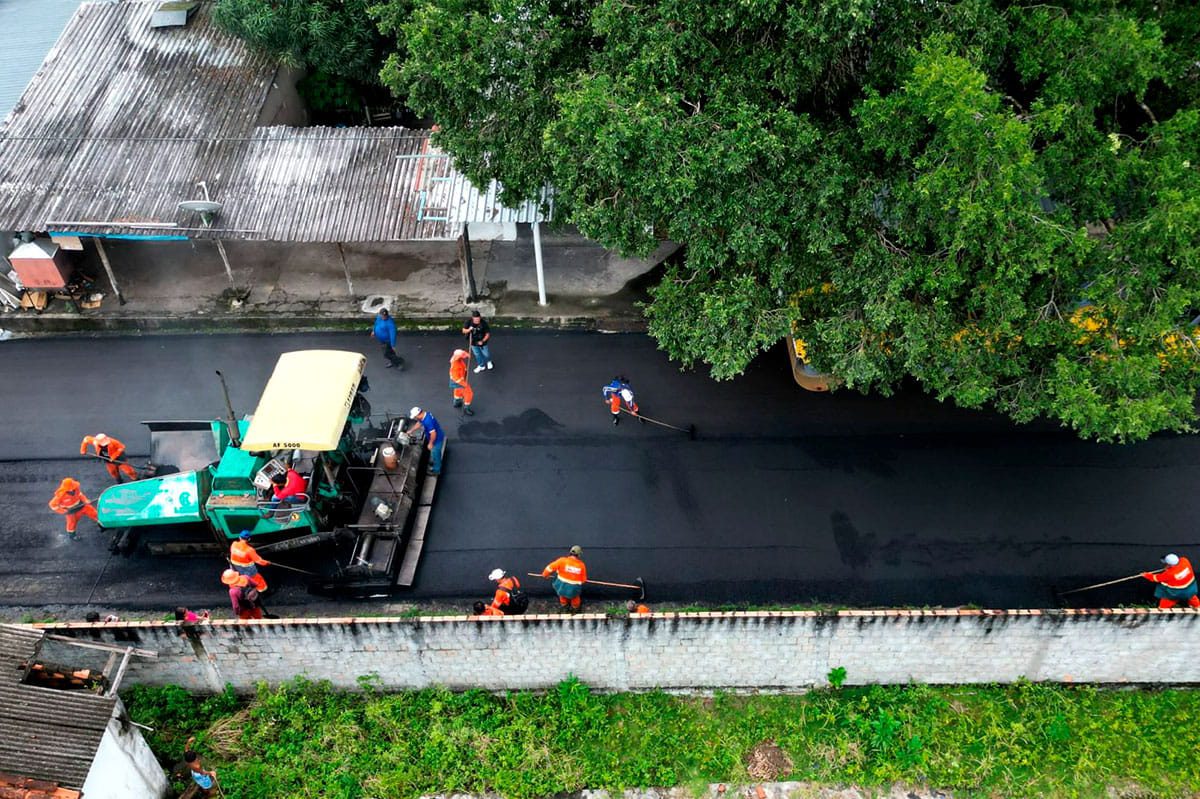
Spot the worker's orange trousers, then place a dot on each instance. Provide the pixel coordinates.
(464, 392)
(1193, 602)
(73, 517)
(117, 469)
(574, 602)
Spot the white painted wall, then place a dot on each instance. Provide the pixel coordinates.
(124, 767)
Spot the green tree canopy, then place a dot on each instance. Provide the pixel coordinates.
(336, 37)
(998, 199)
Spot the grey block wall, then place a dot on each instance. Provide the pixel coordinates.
(781, 651)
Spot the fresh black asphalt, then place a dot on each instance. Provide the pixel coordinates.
(785, 496)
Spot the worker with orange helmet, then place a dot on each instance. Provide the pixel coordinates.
(245, 560)
(70, 501)
(242, 595)
(112, 452)
(461, 389)
(569, 576)
(1175, 583)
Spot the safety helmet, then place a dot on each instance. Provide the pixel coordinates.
(415, 412)
(68, 484)
(230, 577)
(458, 355)
(1171, 559)
(101, 439)
(496, 574)
(244, 535)
(576, 550)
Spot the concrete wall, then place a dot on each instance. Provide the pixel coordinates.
(699, 651)
(124, 766)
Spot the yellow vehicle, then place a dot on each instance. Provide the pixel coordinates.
(364, 486)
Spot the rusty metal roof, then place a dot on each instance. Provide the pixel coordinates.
(123, 121)
(45, 733)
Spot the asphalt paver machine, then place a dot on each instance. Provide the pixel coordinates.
(367, 497)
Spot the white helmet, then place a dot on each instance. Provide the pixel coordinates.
(458, 355)
(1171, 559)
(496, 574)
(415, 412)
(101, 439)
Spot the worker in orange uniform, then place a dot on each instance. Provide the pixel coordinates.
(636, 608)
(569, 576)
(70, 501)
(462, 392)
(243, 596)
(246, 560)
(112, 452)
(508, 597)
(1176, 582)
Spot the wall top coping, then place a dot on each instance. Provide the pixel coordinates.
(556, 618)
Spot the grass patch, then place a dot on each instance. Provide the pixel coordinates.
(307, 739)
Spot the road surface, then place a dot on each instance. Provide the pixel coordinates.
(786, 496)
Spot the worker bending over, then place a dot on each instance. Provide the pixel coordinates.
(461, 391)
(569, 576)
(112, 452)
(435, 438)
(509, 597)
(1176, 583)
(616, 392)
(70, 501)
(246, 560)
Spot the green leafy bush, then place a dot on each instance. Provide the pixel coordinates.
(307, 739)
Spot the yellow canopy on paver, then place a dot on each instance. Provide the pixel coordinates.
(306, 401)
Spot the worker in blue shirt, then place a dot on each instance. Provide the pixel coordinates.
(384, 332)
(435, 438)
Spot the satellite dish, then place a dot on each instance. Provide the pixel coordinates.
(206, 208)
(200, 206)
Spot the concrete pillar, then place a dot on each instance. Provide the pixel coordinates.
(537, 260)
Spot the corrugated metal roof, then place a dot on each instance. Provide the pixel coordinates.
(45, 733)
(30, 28)
(123, 121)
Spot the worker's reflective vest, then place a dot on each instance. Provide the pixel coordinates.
(504, 587)
(570, 569)
(458, 371)
(68, 501)
(242, 554)
(1178, 576)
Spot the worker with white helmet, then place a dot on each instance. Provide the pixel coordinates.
(435, 437)
(509, 599)
(112, 452)
(1176, 583)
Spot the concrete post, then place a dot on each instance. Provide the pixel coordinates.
(225, 261)
(537, 259)
(112, 280)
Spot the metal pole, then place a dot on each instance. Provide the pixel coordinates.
(537, 259)
(472, 293)
(346, 269)
(108, 269)
(225, 260)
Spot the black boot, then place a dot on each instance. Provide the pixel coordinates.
(616, 419)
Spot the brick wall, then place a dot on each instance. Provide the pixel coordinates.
(695, 651)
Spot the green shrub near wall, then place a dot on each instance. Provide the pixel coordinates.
(308, 740)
